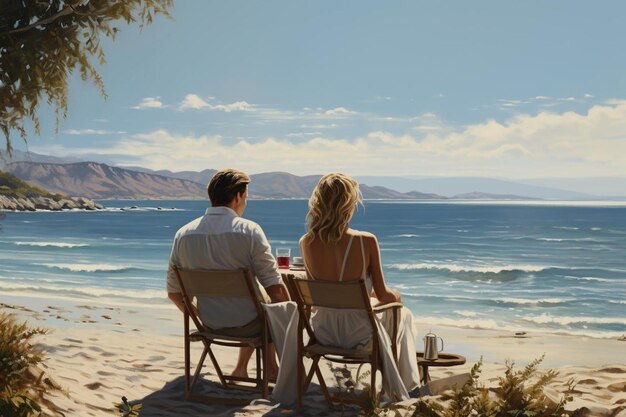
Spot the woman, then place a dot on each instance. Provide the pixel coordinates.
(332, 251)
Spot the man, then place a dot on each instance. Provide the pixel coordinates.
(222, 239)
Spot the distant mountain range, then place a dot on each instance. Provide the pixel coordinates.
(97, 180)
(102, 181)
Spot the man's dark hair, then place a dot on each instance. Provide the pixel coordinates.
(225, 185)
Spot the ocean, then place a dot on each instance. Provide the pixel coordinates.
(553, 267)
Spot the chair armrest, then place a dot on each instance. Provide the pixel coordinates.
(382, 307)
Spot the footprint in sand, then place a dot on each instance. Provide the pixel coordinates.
(618, 387)
(82, 355)
(69, 339)
(589, 381)
(105, 373)
(613, 370)
(104, 316)
(94, 385)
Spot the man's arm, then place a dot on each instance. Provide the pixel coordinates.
(278, 293)
(177, 298)
(265, 267)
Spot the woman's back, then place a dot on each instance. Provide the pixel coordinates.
(345, 260)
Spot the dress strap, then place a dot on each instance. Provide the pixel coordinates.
(364, 273)
(306, 268)
(345, 258)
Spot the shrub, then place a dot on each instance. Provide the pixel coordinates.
(519, 394)
(22, 387)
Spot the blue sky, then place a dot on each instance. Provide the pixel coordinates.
(504, 89)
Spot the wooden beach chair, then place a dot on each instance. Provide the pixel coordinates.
(217, 283)
(310, 294)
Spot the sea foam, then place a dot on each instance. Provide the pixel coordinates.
(89, 267)
(468, 268)
(53, 244)
(565, 320)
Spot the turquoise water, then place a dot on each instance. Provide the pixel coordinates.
(513, 267)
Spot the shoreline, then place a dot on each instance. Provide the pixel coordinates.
(472, 342)
(101, 350)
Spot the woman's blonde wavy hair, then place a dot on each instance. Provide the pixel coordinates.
(331, 207)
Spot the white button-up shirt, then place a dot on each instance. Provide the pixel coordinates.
(222, 240)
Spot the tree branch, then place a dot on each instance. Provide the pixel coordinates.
(66, 11)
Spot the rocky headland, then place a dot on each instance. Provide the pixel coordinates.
(18, 195)
(46, 203)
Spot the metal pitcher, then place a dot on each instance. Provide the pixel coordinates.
(430, 346)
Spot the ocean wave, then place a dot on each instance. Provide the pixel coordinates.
(530, 301)
(617, 301)
(582, 239)
(466, 313)
(85, 291)
(565, 227)
(588, 278)
(425, 322)
(53, 244)
(466, 323)
(496, 269)
(406, 235)
(490, 300)
(90, 267)
(565, 320)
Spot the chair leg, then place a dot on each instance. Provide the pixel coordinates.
(373, 383)
(265, 358)
(302, 386)
(374, 361)
(258, 352)
(320, 378)
(199, 367)
(309, 377)
(218, 370)
(187, 364)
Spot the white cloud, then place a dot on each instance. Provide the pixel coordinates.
(236, 106)
(192, 101)
(616, 102)
(542, 98)
(525, 146)
(427, 128)
(339, 111)
(588, 95)
(149, 103)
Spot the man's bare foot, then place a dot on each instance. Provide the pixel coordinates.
(239, 373)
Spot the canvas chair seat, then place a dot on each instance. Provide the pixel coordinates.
(238, 283)
(198, 336)
(323, 350)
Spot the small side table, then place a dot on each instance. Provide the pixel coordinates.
(444, 359)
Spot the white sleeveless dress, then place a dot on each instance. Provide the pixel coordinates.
(351, 328)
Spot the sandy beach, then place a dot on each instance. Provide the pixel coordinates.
(99, 352)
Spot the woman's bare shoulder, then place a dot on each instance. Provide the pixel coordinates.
(367, 236)
(303, 239)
